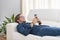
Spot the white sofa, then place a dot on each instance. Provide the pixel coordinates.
(44, 15)
(12, 34)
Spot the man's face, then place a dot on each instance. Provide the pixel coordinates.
(21, 18)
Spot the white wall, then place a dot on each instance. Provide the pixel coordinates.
(8, 7)
(39, 4)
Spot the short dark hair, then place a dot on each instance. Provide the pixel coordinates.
(17, 17)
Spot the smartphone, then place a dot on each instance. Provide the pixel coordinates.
(35, 15)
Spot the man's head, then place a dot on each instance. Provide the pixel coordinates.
(19, 18)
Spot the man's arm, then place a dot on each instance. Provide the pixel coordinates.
(35, 20)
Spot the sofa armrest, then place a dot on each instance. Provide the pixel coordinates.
(11, 28)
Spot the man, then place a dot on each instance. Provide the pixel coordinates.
(26, 27)
(30, 28)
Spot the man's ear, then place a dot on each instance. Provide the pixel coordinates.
(17, 20)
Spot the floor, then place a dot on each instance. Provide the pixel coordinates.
(2, 38)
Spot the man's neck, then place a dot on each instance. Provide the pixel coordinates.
(22, 22)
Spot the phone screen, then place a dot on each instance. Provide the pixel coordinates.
(35, 14)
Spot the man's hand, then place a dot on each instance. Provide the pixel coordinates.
(38, 21)
(34, 20)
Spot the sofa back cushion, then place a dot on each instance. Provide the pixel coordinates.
(45, 14)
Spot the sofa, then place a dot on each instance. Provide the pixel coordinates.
(47, 17)
(12, 33)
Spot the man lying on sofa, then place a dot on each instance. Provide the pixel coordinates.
(30, 28)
